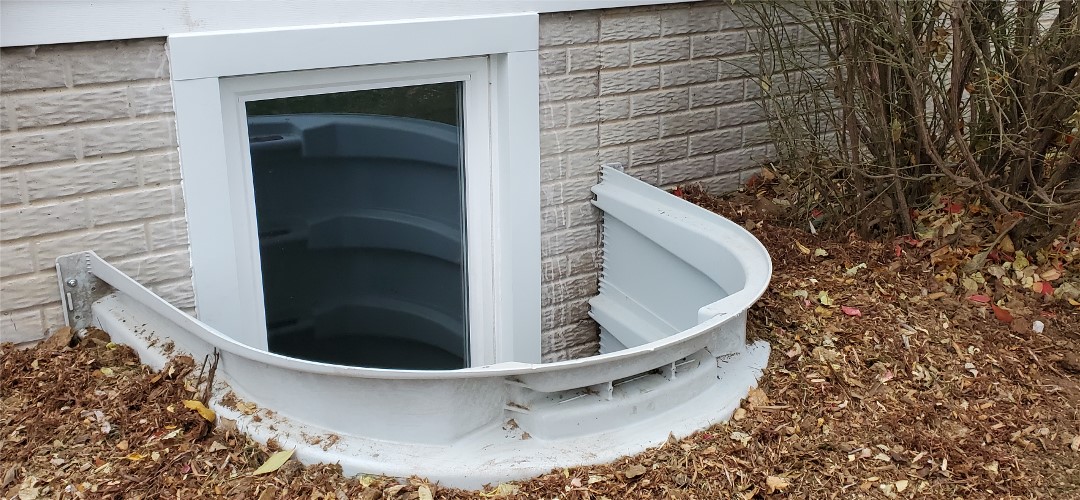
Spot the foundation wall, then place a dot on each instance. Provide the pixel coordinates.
(662, 90)
(88, 153)
(88, 160)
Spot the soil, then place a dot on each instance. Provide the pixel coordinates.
(884, 382)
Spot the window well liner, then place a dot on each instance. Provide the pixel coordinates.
(361, 235)
(677, 281)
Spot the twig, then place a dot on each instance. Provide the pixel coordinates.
(208, 389)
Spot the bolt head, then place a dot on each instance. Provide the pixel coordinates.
(71, 282)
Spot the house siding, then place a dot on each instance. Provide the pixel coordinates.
(87, 161)
(661, 90)
(88, 155)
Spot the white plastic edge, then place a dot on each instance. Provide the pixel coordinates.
(296, 48)
(755, 287)
(495, 449)
(41, 22)
(466, 427)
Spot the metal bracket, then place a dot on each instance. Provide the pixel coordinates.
(79, 288)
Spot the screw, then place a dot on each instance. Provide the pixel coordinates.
(71, 282)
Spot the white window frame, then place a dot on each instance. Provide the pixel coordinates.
(472, 72)
(495, 55)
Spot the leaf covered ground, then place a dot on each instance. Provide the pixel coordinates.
(943, 366)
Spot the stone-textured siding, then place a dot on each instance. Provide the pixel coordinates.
(87, 162)
(662, 90)
(88, 158)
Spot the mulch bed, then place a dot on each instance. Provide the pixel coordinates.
(884, 382)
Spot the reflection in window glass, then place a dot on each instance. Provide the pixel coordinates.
(360, 212)
(437, 102)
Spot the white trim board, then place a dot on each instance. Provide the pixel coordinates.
(254, 51)
(41, 22)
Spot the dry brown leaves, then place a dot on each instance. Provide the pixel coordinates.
(922, 394)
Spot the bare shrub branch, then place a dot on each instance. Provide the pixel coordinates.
(875, 103)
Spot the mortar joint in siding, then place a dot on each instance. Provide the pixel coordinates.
(71, 162)
(24, 191)
(127, 120)
(69, 74)
(139, 83)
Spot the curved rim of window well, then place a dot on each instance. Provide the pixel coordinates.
(675, 286)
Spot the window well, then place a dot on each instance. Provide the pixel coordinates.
(284, 194)
(671, 366)
(359, 201)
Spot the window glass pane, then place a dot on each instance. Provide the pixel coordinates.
(359, 201)
(438, 102)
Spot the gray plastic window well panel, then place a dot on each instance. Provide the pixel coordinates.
(361, 225)
(669, 366)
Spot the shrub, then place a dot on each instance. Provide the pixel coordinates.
(876, 105)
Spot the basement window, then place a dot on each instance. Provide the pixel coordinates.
(377, 207)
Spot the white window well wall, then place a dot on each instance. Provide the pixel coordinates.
(490, 60)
